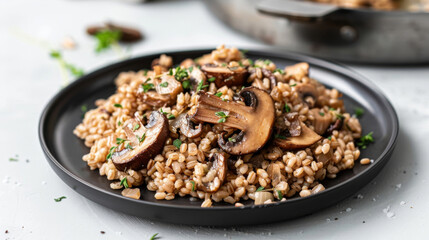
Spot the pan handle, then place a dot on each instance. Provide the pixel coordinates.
(295, 9)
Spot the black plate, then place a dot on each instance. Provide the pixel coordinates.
(64, 151)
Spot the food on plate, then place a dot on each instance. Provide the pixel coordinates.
(410, 5)
(221, 127)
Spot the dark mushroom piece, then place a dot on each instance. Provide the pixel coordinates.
(127, 34)
(145, 142)
(217, 165)
(186, 126)
(307, 138)
(308, 93)
(321, 120)
(337, 125)
(325, 158)
(255, 120)
(288, 125)
(268, 74)
(226, 76)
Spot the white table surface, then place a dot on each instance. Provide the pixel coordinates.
(29, 78)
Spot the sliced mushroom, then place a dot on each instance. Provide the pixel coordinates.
(229, 76)
(186, 126)
(307, 138)
(325, 158)
(274, 173)
(127, 34)
(218, 167)
(166, 90)
(308, 93)
(265, 73)
(154, 99)
(255, 120)
(145, 141)
(337, 125)
(288, 125)
(262, 196)
(321, 120)
(297, 71)
(197, 78)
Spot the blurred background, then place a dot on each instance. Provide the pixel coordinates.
(48, 44)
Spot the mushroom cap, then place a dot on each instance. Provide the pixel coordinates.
(156, 132)
(219, 165)
(307, 138)
(229, 76)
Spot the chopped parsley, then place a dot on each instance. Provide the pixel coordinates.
(322, 114)
(119, 123)
(293, 85)
(212, 79)
(330, 137)
(83, 109)
(279, 194)
(250, 61)
(137, 126)
(177, 143)
(112, 149)
(170, 116)
(232, 140)
(181, 74)
(364, 141)
(280, 136)
(186, 84)
(141, 139)
(117, 105)
(201, 86)
(147, 86)
(107, 39)
(190, 69)
(65, 66)
(124, 182)
(129, 146)
(193, 185)
(119, 141)
(170, 72)
(59, 199)
(224, 65)
(240, 64)
(339, 116)
(154, 237)
(287, 108)
(359, 111)
(218, 94)
(279, 71)
(267, 62)
(162, 111)
(222, 117)
(260, 189)
(145, 72)
(164, 84)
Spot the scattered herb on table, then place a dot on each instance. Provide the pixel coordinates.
(222, 117)
(124, 182)
(59, 199)
(13, 159)
(66, 68)
(155, 237)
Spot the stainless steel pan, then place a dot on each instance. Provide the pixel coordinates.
(329, 31)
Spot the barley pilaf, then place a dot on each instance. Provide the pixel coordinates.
(220, 128)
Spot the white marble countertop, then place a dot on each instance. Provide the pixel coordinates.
(30, 78)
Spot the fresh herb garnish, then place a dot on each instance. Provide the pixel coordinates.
(170, 116)
(218, 94)
(119, 141)
(279, 71)
(177, 143)
(147, 86)
(240, 64)
(322, 114)
(287, 108)
(13, 159)
(279, 194)
(267, 62)
(164, 84)
(222, 117)
(224, 65)
(280, 136)
(201, 86)
(193, 185)
(186, 84)
(141, 139)
(65, 66)
(190, 69)
(260, 189)
(59, 199)
(107, 39)
(181, 74)
(145, 72)
(137, 126)
(119, 123)
(117, 105)
(212, 79)
(250, 61)
(330, 137)
(112, 149)
(162, 111)
(124, 182)
(293, 85)
(359, 111)
(83, 109)
(154, 237)
(232, 140)
(170, 72)
(365, 140)
(339, 116)
(128, 146)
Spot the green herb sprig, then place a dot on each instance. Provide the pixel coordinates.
(222, 117)
(59, 199)
(364, 141)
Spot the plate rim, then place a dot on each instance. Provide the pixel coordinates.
(326, 64)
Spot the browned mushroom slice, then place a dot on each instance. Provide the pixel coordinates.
(288, 125)
(321, 120)
(307, 138)
(145, 142)
(229, 76)
(218, 168)
(168, 85)
(337, 125)
(274, 173)
(255, 120)
(308, 93)
(186, 126)
(154, 99)
(127, 34)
